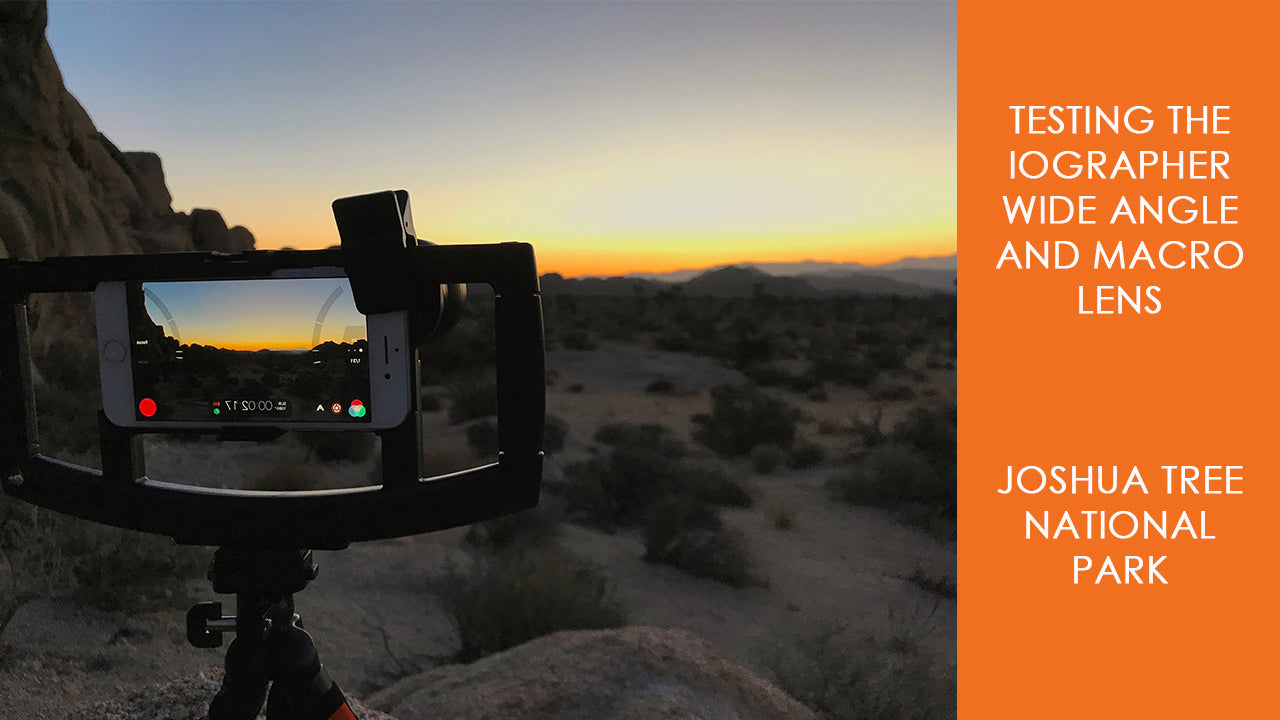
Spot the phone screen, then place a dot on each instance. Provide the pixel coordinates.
(265, 350)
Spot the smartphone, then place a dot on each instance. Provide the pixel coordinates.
(287, 351)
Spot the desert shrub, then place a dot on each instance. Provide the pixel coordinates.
(888, 474)
(766, 375)
(430, 403)
(741, 418)
(782, 517)
(118, 569)
(588, 501)
(942, 586)
(65, 428)
(482, 436)
(711, 485)
(472, 398)
(869, 428)
(674, 341)
(646, 435)
(854, 372)
(515, 597)
(661, 386)
(469, 345)
(643, 463)
(578, 340)
(932, 431)
(829, 427)
(527, 528)
(806, 383)
(45, 554)
(842, 680)
(886, 355)
(689, 535)
(766, 458)
(555, 435)
(338, 446)
(68, 394)
(890, 390)
(911, 471)
(805, 455)
(69, 364)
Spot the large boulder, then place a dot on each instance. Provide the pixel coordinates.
(65, 189)
(147, 173)
(634, 673)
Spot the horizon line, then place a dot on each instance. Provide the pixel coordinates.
(750, 262)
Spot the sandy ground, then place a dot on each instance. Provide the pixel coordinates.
(375, 619)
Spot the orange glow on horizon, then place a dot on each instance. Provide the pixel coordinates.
(619, 256)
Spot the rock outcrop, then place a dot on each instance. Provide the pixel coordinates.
(634, 673)
(65, 189)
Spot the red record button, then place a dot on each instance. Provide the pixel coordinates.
(147, 407)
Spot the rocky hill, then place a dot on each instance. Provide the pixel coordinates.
(65, 189)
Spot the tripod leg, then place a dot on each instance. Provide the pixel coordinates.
(278, 707)
(301, 688)
(244, 684)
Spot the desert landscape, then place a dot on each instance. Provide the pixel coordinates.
(748, 504)
(744, 501)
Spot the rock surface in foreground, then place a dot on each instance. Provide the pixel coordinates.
(634, 673)
(181, 700)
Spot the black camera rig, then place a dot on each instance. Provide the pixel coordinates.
(389, 270)
(265, 538)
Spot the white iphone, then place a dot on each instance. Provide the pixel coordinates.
(288, 351)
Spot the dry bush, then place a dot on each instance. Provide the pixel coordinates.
(911, 471)
(766, 458)
(528, 528)
(643, 464)
(514, 597)
(689, 535)
(843, 679)
(742, 418)
(44, 554)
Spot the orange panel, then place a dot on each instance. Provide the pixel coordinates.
(1048, 379)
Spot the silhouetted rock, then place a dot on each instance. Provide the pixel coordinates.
(148, 177)
(240, 239)
(634, 673)
(208, 230)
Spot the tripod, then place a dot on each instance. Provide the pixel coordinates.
(271, 650)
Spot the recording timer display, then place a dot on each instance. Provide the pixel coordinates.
(248, 350)
(250, 406)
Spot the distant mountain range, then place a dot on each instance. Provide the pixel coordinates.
(909, 276)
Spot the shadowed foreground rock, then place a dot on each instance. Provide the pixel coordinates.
(180, 700)
(635, 673)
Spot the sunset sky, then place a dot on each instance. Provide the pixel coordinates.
(294, 314)
(616, 137)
